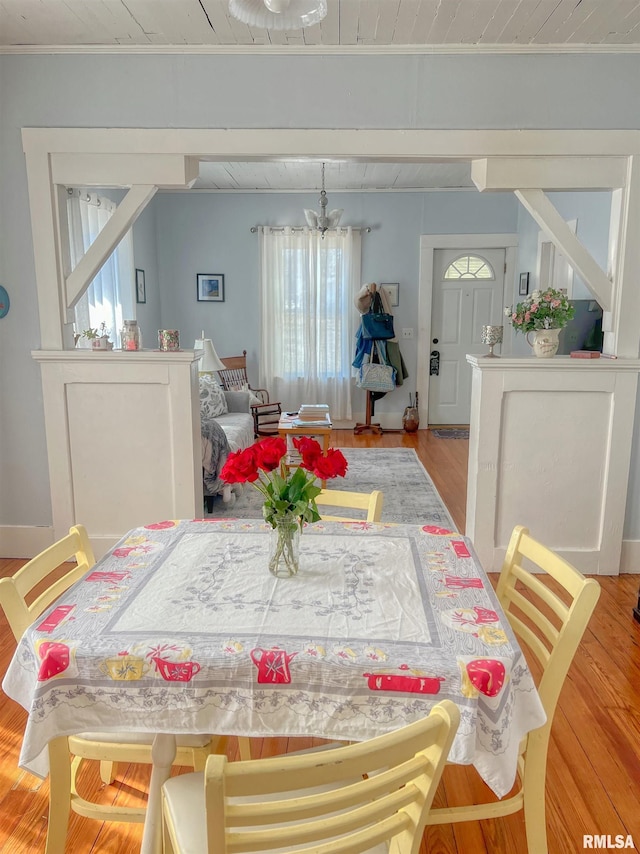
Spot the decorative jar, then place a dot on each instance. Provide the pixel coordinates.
(545, 342)
(284, 548)
(131, 335)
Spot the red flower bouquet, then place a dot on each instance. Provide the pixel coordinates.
(289, 494)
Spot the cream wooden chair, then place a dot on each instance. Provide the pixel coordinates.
(369, 501)
(335, 807)
(107, 748)
(551, 631)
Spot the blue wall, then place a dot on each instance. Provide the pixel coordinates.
(412, 91)
(210, 233)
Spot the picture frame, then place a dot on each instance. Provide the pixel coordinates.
(392, 289)
(523, 289)
(210, 287)
(141, 288)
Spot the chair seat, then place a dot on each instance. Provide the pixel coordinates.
(143, 738)
(184, 802)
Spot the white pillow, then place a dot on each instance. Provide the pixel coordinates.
(253, 398)
(212, 399)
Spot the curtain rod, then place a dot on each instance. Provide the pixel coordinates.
(254, 228)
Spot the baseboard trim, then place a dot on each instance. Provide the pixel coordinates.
(24, 541)
(630, 558)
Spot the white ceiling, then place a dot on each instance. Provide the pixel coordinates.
(361, 23)
(297, 175)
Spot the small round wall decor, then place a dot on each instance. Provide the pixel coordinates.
(4, 302)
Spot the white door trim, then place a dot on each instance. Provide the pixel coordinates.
(428, 245)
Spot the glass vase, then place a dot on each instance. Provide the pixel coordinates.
(284, 549)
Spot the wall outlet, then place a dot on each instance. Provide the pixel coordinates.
(407, 333)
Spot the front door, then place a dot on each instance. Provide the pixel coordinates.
(468, 293)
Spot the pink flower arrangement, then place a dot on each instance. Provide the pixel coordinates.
(549, 309)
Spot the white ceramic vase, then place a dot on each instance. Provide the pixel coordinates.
(545, 342)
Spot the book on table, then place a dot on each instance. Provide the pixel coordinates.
(313, 411)
(307, 422)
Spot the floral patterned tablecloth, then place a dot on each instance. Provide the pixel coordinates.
(181, 628)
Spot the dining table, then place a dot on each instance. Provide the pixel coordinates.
(181, 628)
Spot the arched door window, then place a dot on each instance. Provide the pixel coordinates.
(469, 267)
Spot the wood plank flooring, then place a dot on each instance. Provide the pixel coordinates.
(593, 780)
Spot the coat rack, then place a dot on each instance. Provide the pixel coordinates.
(368, 426)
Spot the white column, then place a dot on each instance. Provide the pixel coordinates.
(550, 448)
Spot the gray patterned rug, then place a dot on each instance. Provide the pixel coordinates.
(409, 493)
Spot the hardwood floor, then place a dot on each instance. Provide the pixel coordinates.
(593, 780)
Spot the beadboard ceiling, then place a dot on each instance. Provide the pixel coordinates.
(349, 23)
(295, 176)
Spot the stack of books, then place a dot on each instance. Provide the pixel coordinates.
(313, 415)
(313, 411)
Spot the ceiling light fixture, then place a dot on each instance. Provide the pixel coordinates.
(323, 221)
(279, 14)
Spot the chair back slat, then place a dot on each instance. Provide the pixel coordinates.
(369, 501)
(345, 800)
(542, 622)
(235, 373)
(15, 590)
(563, 640)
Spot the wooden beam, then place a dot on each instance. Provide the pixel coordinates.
(123, 170)
(548, 218)
(549, 173)
(627, 302)
(92, 261)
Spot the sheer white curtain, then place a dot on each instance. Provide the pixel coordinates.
(307, 316)
(109, 297)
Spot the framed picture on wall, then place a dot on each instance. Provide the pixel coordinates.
(523, 290)
(141, 290)
(210, 287)
(392, 292)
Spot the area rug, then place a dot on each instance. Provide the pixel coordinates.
(450, 432)
(409, 493)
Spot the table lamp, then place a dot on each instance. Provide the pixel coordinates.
(491, 335)
(210, 361)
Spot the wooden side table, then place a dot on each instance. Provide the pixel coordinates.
(286, 428)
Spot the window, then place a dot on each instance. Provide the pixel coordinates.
(308, 317)
(109, 297)
(469, 267)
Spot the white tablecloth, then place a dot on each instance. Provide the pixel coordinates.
(181, 628)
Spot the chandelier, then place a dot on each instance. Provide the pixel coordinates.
(279, 14)
(323, 221)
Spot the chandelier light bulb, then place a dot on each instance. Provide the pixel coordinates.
(277, 6)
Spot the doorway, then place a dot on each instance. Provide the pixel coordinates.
(461, 244)
(468, 293)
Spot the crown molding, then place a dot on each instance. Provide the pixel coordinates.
(320, 50)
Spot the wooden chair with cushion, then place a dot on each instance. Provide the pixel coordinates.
(369, 501)
(549, 626)
(266, 414)
(107, 748)
(335, 806)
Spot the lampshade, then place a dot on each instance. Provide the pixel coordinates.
(210, 360)
(278, 14)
